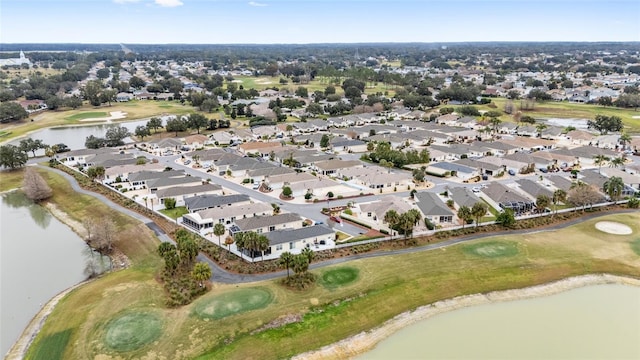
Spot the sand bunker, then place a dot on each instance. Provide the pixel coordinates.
(114, 115)
(614, 228)
(236, 81)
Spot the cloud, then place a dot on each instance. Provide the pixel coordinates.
(169, 3)
(254, 3)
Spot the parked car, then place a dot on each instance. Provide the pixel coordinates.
(512, 173)
(543, 170)
(62, 148)
(336, 219)
(187, 162)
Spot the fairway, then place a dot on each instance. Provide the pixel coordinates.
(87, 115)
(339, 277)
(52, 347)
(492, 249)
(233, 303)
(132, 331)
(635, 246)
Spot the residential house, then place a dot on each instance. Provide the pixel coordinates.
(259, 147)
(348, 146)
(501, 196)
(123, 171)
(124, 97)
(580, 137)
(166, 146)
(433, 208)
(462, 196)
(330, 167)
(210, 201)
(373, 212)
(463, 172)
(203, 221)
(533, 189)
(267, 223)
(180, 193)
(316, 237)
(278, 181)
(140, 179)
(162, 183)
(82, 156)
(196, 141)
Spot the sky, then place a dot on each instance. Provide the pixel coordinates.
(316, 21)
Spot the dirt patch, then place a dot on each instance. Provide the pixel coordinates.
(615, 228)
(281, 321)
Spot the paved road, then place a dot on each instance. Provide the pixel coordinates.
(223, 276)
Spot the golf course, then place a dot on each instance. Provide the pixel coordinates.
(122, 315)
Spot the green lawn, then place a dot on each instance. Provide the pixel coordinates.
(132, 331)
(52, 347)
(176, 212)
(338, 277)
(87, 115)
(232, 303)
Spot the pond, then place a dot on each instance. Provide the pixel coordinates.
(594, 322)
(39, 258)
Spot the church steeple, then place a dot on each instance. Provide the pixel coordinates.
(22, 55)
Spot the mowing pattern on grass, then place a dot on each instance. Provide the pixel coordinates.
(233, 303)
(133, 330)
(52, 347)
(635, 246)
(87, 115)
(492, 249)
(339, 277)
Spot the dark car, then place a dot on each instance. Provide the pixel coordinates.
(336, 219)
(62, 148)
(512, 173)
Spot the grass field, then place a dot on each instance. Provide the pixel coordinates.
(53, 346)
(553, 109)
(132, 331)
(492, 249)
(635, 245)
(232, 303)
(337, 277)
(134, 110)
(175, 212)
(87, 115)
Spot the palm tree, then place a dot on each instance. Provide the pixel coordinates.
(542, 201)
(263, 245)
(624, 140)
(614, 187)
(308, 253)
(286, 260)
(228, 241)
(617, 161)
(558, 196)
(391, 217)
(540, 127)
(495, 124)
(300, 264)
(464, 214)
(218, 230)
(600, 160)
(201, 272)
(240, 241)
(479, 210)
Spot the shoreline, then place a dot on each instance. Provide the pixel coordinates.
(364, 341)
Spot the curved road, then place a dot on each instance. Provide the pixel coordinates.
(223, 276)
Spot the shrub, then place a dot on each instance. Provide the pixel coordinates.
(633, 203)
(348, 212)
(429, 224)
(169, 203)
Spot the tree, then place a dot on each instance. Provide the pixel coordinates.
(391, 217)
(142, 131)
(606, 124)
(302, 92)
(32, 145)
(201, 272)
(624, 139)
(115, 135)
(600, 160)
(169, 254)
(478, 210)
(154, 123)
(330, 194)
(300, 264)
(464, 214)
(581, 195)
(92, 142)
(12, 157)
(286, 192)
(218, 230)
(228, 241)
(169, 203)
(103, 235)
(558, 196)
(617, 161)
(91, 92)
(324, 141)
(187, 248)
(286, 260)
(176, 125)
(614, 187)
(197, 121)
(542, 202)
(34, 186)
(506, 218)
(95, 172)
(540, 128)
(136, 82)
(11, 111)
(108, 96)
(308, 253)
(262, 244)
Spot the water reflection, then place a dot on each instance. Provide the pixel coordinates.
(17, 199)
(96, 263)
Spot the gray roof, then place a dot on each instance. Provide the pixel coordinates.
(592, 177)
(430, 204)
(560, 182)
(346, 142)
(258, 222)
(478, 165)
(284, 236)
(208, 201)
(453, 167)
(174, 181)
(186, 190)
(464, 197)
(534, 189)
(150, 175)
(270, 171)
(502, 194)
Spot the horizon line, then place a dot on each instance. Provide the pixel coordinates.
(343, 43)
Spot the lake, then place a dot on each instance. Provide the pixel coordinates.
(595, 322)
(39, 258)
